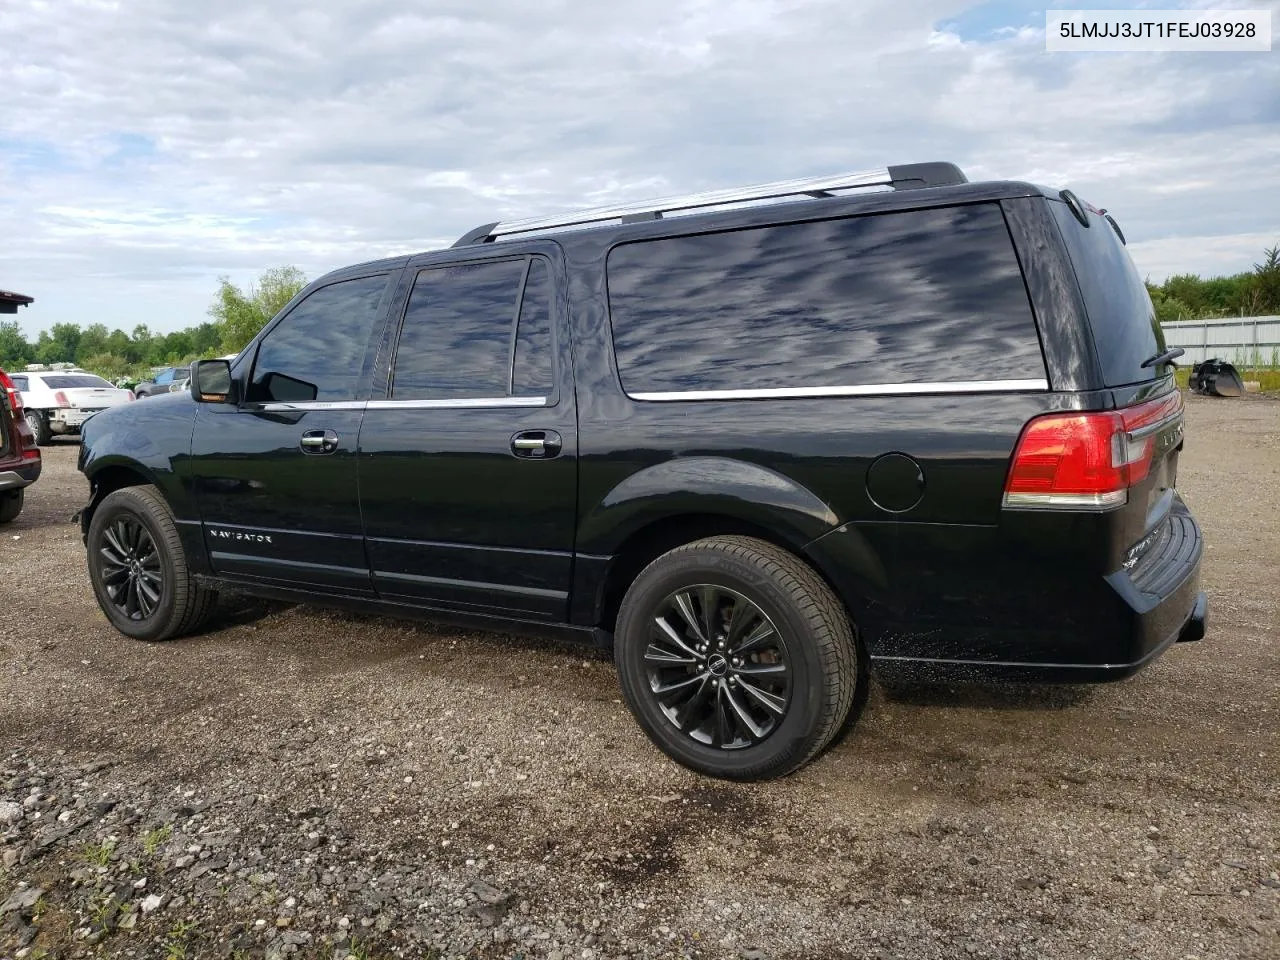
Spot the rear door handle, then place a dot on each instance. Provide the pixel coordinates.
(319, 441)
(536, 444)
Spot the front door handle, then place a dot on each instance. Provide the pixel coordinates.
(319, 441)
(536, 444)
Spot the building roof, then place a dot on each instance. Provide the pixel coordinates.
(10, 302)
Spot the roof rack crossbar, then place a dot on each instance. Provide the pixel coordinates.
(906, 176)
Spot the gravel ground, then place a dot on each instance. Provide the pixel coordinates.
(297, 782)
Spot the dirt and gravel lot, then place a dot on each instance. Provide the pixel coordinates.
(296, 782)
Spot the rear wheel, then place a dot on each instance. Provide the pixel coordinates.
(736, 658)
(138, 568)
(39, 425)
(11, 505)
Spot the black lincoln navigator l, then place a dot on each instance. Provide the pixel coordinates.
(760, 442)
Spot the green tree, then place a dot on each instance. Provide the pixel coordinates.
(93, 341)
(240, 314)
(15, 351)
(108, 365)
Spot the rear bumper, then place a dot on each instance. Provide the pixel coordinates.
(1148, 608)
(15, 476)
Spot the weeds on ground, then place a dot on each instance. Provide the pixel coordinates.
(155, 839)
(97, 854)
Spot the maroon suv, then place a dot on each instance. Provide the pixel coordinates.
(19, 455)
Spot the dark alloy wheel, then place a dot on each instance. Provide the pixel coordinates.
(718, 667)
(131, 570)
(736, 658)
(139, 570)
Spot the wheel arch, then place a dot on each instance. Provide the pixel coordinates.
(107, 476)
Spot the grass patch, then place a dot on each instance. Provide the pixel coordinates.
(98, 854)
(155, 839)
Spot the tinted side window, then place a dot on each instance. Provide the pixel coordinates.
(457, 338)
(317, 351)
(927, 295)
(531, 371)
(1121, 316)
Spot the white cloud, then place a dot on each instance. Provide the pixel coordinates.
(146, 147)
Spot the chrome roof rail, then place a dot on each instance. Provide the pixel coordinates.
(906, 176)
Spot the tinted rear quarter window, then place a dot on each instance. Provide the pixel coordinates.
(895, 298)
(1121, 316)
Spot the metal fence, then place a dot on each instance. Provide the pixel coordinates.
(1247, 341)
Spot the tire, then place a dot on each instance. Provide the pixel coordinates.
(11, 505)
(39, 424)
(147, 610)
(808, 667)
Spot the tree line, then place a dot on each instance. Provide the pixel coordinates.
(236, 315)
(1254, 293)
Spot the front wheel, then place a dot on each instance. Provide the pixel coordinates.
(139, 570)
(736, 658)
(39, 425)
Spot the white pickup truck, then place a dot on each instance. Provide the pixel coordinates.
(61, 401)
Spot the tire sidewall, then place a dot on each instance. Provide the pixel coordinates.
(118, 504)
(712, 566)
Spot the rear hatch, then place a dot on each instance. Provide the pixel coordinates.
(1133, 364)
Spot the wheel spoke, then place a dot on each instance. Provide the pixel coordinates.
(743, 714)
(761, 669)
(770, 701)
(684, 716)
(131, 597)
(709, 600)
(115, 576)
(757, 638)
(121, 554)
(663, 689)
(655, 654)
(724, 722)
(684, 603)
(147, 597)
(744, 615)
(674, 636)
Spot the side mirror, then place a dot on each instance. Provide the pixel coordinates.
(211, 382)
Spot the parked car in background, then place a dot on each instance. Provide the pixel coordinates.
(60, 402)
(929, 428)
(160, 382)
(19, 455)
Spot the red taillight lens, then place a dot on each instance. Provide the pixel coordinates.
(61, 400)
(131, 396)
(1086, 461)
(15, 398)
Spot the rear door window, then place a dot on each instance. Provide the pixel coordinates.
(1121, 316)
(921, 296)
(477, 331)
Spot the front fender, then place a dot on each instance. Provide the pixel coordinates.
(705, 485)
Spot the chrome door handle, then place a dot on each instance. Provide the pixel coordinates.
(536, 444)
(319, 441)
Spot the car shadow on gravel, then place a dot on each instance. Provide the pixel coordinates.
(987, 695)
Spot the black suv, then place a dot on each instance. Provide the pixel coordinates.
(758, 441)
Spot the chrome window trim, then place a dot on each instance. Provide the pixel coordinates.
(861, 390)
(450, 403)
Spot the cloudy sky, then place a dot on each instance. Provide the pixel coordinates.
(148, 146)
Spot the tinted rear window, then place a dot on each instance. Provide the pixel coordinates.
(912, 297)
(1120, 312)
(68, 381)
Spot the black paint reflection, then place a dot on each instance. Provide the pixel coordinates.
(918, 296)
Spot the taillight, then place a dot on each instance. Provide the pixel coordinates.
(1086, 461)
(61, 400)
(131, 396)
(15, 398)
